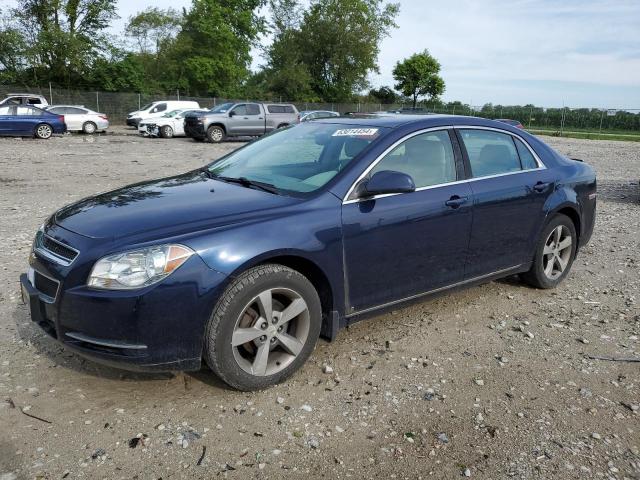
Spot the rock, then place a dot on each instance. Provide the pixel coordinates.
(584, 340)
(339, 429)
(160, 426)
(442, 437)
(306, 408)
(479, 381)
(276, 451)
(327, 369)
(596, 436)
(467, 472)
(100, 452)
(279, 400)
(530, 335)
(313, 442)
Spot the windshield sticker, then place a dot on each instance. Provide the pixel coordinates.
(356, 132)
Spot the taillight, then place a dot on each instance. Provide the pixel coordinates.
(61, 118)
(103, 117)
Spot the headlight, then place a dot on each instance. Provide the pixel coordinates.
(137, 268)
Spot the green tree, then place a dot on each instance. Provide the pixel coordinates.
(64, 36)
(212, 51)
(339, 42)
(13, 49)
(153, 27)
(418, 76)
(384, 95)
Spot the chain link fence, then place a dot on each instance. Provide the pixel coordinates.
(556, 120)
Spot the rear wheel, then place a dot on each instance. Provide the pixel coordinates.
(215, 134)
(89, 127)
(43, 131)
(555, 253)
(263, 328)
(166, 132)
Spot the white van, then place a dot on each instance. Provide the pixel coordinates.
(157, 109)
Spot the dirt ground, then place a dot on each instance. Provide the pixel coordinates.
(493, 382)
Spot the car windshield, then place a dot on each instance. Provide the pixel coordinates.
(172, 113)
(297, 159)
(222, 108)
(146, 107)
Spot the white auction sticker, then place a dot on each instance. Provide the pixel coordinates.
(356, 132)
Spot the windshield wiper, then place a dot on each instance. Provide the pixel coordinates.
(244, 181)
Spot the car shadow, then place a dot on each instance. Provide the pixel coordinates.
(62, 357)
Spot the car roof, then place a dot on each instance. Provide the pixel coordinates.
(24, 95)
(424, 121)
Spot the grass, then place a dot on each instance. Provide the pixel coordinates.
(588, 135)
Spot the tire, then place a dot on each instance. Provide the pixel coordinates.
(239, 316)
(89, 128)
(216, 134)
(552, 260)
(43, 131)
(166, 132)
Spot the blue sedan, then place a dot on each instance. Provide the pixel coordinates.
(246, 262)
(29, 121)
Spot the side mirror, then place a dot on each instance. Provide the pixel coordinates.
(232, 113)
(384, 182)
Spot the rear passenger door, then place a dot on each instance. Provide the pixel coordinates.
(246, 119)
(510, 187)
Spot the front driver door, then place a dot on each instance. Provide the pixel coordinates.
(401, 245)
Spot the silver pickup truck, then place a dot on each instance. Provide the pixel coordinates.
(239, 120)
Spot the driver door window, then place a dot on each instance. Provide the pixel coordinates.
(427, 158)
(161, 107)
(240, 110)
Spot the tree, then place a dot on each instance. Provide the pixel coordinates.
(64, 36)
(152, 27)
(213, 47)
(384, 95)
(418, 75)
(339, 41)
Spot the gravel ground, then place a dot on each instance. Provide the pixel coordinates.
(492, 382)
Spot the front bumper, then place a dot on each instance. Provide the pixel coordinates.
(159, 328)
(133, 122)
(195, 130)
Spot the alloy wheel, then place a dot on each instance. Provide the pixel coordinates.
(216, 134)
(557, 252)
(44, 131)
(271, 331)
(90, 128)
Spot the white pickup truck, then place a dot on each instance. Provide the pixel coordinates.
(242, 119)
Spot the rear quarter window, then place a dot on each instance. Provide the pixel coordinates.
(526, 158)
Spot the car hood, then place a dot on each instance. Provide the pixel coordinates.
(167, 207)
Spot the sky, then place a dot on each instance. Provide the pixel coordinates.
(578, 53)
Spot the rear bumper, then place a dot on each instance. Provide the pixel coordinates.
(159, 328)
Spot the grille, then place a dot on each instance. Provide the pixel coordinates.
(45, 285)
(54, 250)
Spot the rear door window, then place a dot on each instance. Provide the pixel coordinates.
(490, 153)
(34, 101)
(24, 110)
(253, 109)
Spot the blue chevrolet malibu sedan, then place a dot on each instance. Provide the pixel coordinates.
(246, 262)
(29, 121)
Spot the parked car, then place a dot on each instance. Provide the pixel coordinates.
(169, 125)
(32, 99)
(157, 109)
(243, 119)
(307, 115)
(515, 123)
(81, 119)
(246, 261)
(28, 121)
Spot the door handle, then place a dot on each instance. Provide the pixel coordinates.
(260, 118)
(541, 186)
(455, 201)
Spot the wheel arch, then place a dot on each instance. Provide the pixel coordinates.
(313, 272)
(217, 124)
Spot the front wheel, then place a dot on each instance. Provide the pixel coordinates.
(263, 328)
(44, 131)
(166, 132)
(215, 134)
(555, 253)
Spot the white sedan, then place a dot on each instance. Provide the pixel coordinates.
(81, 119)
(171, 124)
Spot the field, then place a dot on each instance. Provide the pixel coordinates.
(493, 382)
